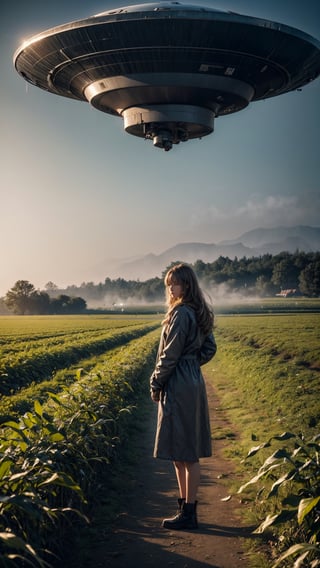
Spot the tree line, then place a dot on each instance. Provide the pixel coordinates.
(263, 276)
(23, 299)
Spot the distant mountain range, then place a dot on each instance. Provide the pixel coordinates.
(253, 243)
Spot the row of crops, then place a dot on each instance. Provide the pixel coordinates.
(32, 355)
(71, 388)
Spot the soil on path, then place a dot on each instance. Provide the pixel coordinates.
(136, 537)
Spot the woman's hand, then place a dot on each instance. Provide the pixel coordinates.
(155, 395)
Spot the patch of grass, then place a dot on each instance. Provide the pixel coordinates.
(263, 392)
(225, 433)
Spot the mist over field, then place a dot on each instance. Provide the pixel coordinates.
(217, 295)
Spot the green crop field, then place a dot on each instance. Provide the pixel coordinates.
(267, 375)
(267, 371)
(71, 393)
(72, 389)
(33, 349)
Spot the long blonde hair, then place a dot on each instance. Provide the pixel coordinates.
(192, 295)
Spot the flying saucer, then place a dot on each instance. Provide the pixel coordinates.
(167, 68)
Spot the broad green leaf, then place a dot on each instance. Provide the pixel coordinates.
(22, 445)
(252, 481)
(270, 519)
(284, 436)
(56, 437)
(5, 467)
(286, 477)
(20, 475)
(12, 424)
(29, 420)
(19, 432)
(299, 563)
(296, 549)
(78, 373)
(62, 479)
(38, 407)
(305, 506)
(256, 449)
(277, 455)
(277, 519)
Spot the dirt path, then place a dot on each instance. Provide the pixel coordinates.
(136, 537)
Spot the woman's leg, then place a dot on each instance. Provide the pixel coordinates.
(181, 478)
(188, 477)
(192, 476)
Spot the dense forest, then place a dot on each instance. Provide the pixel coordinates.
(263, 276)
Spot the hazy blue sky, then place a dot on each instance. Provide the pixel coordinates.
(76, 190)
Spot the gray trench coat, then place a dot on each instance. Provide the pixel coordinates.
(183, 428)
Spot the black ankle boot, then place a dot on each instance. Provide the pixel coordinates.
(185, 519)
(181, 500)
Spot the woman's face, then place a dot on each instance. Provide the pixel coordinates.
(175, 290)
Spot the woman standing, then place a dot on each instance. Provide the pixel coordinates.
(183, 429)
